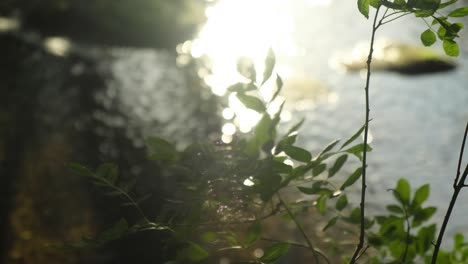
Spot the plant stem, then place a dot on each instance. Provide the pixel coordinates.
(458, 185)
(299, 226)
(294, 244)
(360, 245)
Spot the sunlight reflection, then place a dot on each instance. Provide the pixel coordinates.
(57, 46)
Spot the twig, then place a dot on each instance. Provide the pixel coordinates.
(295, 244)
(458, 185)
(360, 245)
(301, 229)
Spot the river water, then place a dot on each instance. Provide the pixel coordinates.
(418, 121)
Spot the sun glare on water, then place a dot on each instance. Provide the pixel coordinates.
(244, 28)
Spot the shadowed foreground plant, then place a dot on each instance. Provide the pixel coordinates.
(221, 194)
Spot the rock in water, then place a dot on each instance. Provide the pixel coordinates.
(398, 57)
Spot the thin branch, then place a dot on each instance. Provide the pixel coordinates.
(301, 229)
(295, 244)
(360, 245)
(460, 157)
(395, 18)
(457, 188)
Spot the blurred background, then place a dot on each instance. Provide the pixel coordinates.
(88, 81)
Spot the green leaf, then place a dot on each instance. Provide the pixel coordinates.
(341, 202)
(242, 87)
(160, 149)
(374, 3)
(363, 6)
(451, 48)
(403, 191)
(352, 178)
(339, 162)
(353, 137)
(253, 233)
(315, 189)
(425, 238)
(118, 230)
(443, 5)
(108, 171)
(395, 209)
(279, 86)
(269, 65)
(252, 102)
(421, 195)
(319, 169)
(355, 216)
(358, 150)
(275, 252)
(428, 37)
(296, 127)
(331, 223)
(209, 237)
(79, 169)
(424, 4)
(424, 13)
(423, 215)
(460, 12)
(322, 204)
(297, 153)
(194, 252)
(458, 241)
(328, 147)
(246, 68)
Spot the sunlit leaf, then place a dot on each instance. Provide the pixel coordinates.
(459, 12)
(341, 202)
(428, 37)
(353, 137)
(279, 86)
(275, 252)
(328, 147)
(374, 3)
(451, 48)
(246, 68)
(339, 162)
(297, 153)
(358, 150)
(363, 6)
(295, 127)
(269, 65)
(352, 178)
(252, 102)
(242, 87)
